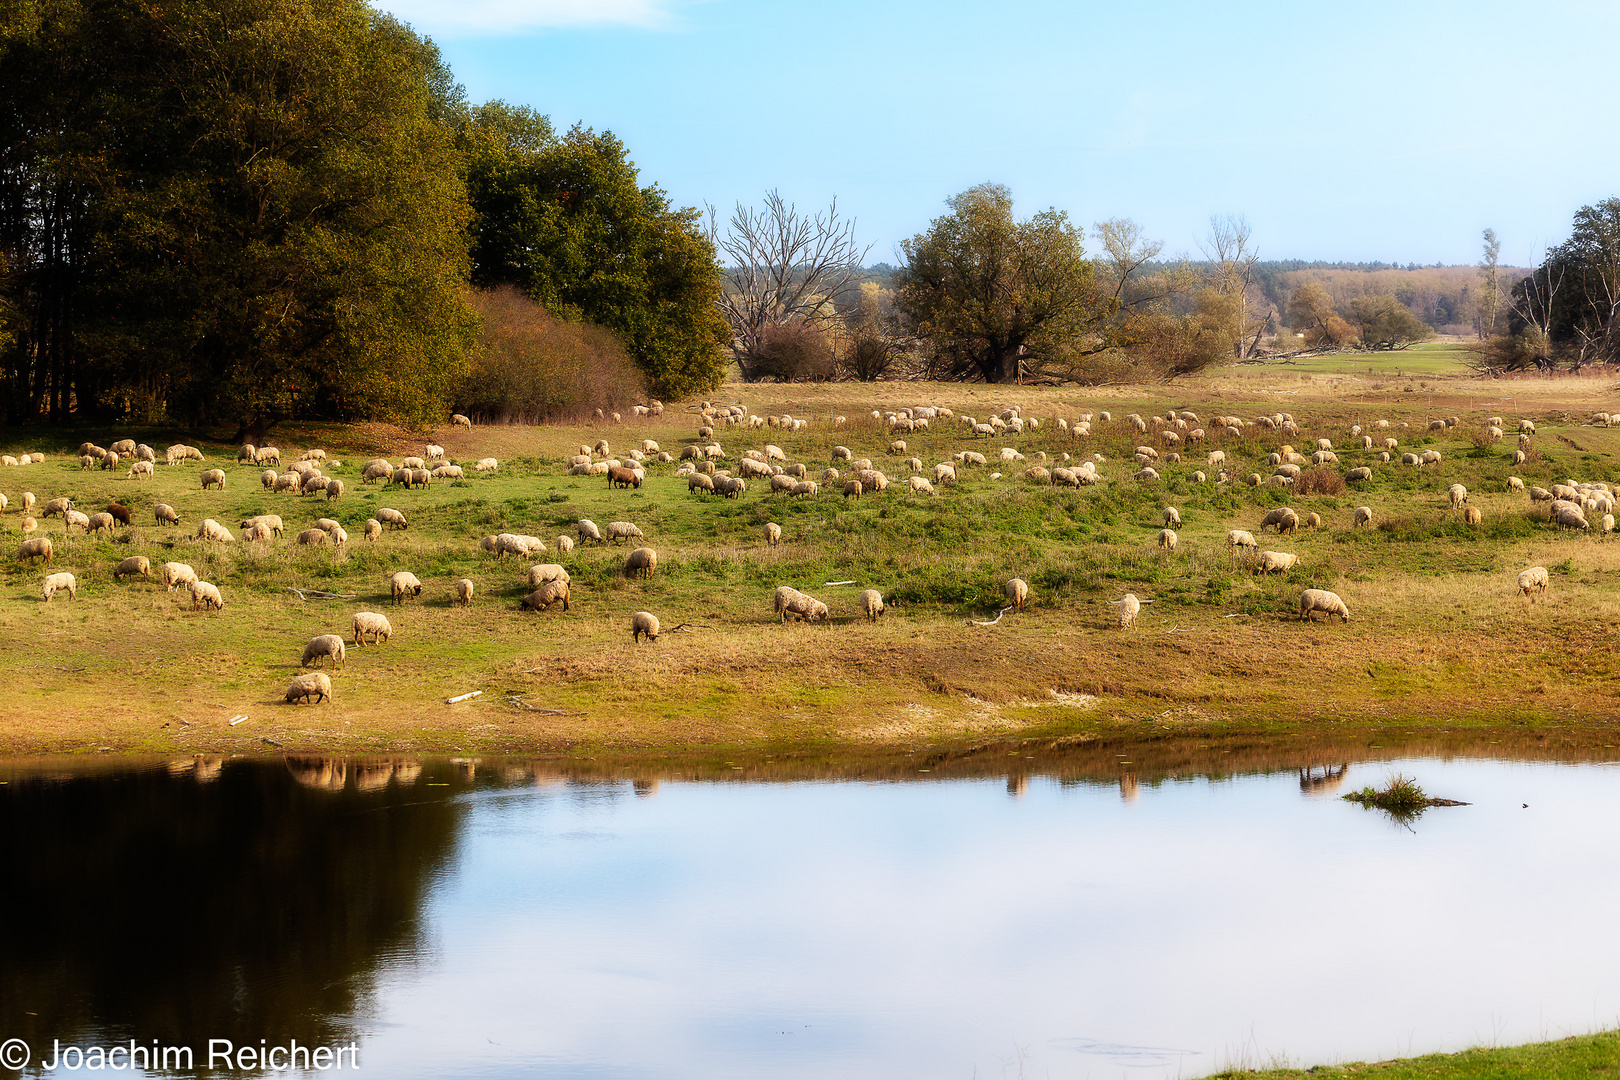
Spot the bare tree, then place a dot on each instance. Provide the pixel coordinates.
(785, 268)
(1127, 250)
(1232, 275)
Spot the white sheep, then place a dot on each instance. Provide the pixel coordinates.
(135, 564)
(1168, 540)
(458, 420)
(391, 517)
(872, 604)
(643, 622)
(325, 646)
(318, 683)
(1016, 590)
(588, 530)
(622, 530)
(1237, 538)
(802, 606)
(541, 573)
(206, 593)
(1363, 516)
(546, 595)
(488, 464)
(61, 581)
(1312, 601)
(773, 533)
(1128, 606)
(1274, 562)
(464, 592)
(403, 584)
(565, 544)
(642, 562)
(176, 574)
(921, 486)
(370, 623)
(213, 478)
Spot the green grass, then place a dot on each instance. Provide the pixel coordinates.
(1574, 1058)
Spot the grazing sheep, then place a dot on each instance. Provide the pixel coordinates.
(213, 530)
(872, 604)
(267, 455)
(773, 533)
(258, 532)
(376, 470)
(588, 530)
(71, 518)
(404, 584)
(1284, 518)
(920, 486)
(433, 452)
(135, 564)
(623, 530)
(1568, 517)
(56, 582)
(176, 574)
(1240, 538)
(313, 482)
(1172, 518)
(139, 470)
(1515, 484)
(37, 548)
(288, 481)
(1362, 473)
(1458, 496)
(641, 562)
(806, 487)
(458, 420)
(318, 683)
(1274, 562)
(802, 606)
(372, 529)
(488, 464)
(269, 521)
(546, 595)
(852, 489)
(643, 622)
(334, 488)
(541, 573)
(392, 518)
(1128, 606)
(412, 463)
(1473, 516)
(312, 537)
(565, 544)
(698, 482)
(1167, 540)
(245, 454)
(268, 479)
(1363, 516)
(206, 593)
(369, 622)
(1016, 591)
(1328, 603)
(464, 592)
(59, 505)
(213, 478)
(326, 646)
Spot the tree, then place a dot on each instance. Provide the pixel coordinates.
(567, 221)
(1311, 311)
(785, 268)
(988, 294)
(1386, 323)
(872, 340)
(257, 213)
(1490, 292)
(1232, 274)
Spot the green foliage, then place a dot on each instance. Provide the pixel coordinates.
(1386, 323)
(986, 292)
(567, 221)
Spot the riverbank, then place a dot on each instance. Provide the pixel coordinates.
(1575, 1058)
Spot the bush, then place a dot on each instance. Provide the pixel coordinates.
(794, 352)
(530, 367)
(1321, 480)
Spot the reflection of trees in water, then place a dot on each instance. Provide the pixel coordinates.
(1321, 779)
(211, 900)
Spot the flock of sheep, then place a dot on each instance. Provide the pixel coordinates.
(1163, 442)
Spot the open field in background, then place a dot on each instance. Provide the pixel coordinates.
(1438, 637)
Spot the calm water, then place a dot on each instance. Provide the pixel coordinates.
(454, 920)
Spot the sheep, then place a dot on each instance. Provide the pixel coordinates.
(1363, 516)
(643, 622)
(1172, 518)
(698, 482)
(372, 529)
(588, 530)
(1430, 457)
(110, 461)
(213, 478)
(57, 582)
(1016, 590)
(403, 584)
(1237, 538)
(334, 488)
(176, 574)
(369, 622)
(318, 683)
(258, 532)
(267, 455)
(376, 470)
(1473, 516)
(459, 420)
(546, 595)
(269, 521)
(97, 522)
(1313, 600)
(773, 533)
(1274, 562)
(57, 506)
(412, 463)
(852, 489)
(872, 604)
(214, 531)
(641, 562)
(920, 486)
(313, 482)
(390, 517)
(488, 464)
(1284, 518)
(622, 530)
(287, 481)
(38, 548)
(206, 593)
(325, 646)
(433, 452)
(1128, 606)
(28, 501)
(71, 518)
(141, 470)
(312, 537)
(464, 593)
(268, 479)
(806, 487)
(802, 606)
(565, 544)
(135, 564)
(541, 573)
(244, 454)
(1567, 517)
(1167, 540)
(1362, 473)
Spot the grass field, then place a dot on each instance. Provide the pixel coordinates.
(1438, 636)
(1565, 1059)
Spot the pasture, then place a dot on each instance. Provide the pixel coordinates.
(1439, 638)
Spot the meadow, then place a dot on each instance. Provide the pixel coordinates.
(1439, 638)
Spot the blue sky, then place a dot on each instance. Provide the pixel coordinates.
(1376, 130)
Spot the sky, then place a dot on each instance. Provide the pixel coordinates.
(1380, 130)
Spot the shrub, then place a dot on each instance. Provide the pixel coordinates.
(1321, 480)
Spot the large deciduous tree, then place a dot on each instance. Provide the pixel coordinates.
(567, 221)
(252, 209)
(988, 294)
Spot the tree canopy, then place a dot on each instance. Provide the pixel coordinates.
(988, 293)
(567, 221)
(242, 211)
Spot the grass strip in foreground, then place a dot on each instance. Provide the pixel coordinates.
(1564, 1059)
